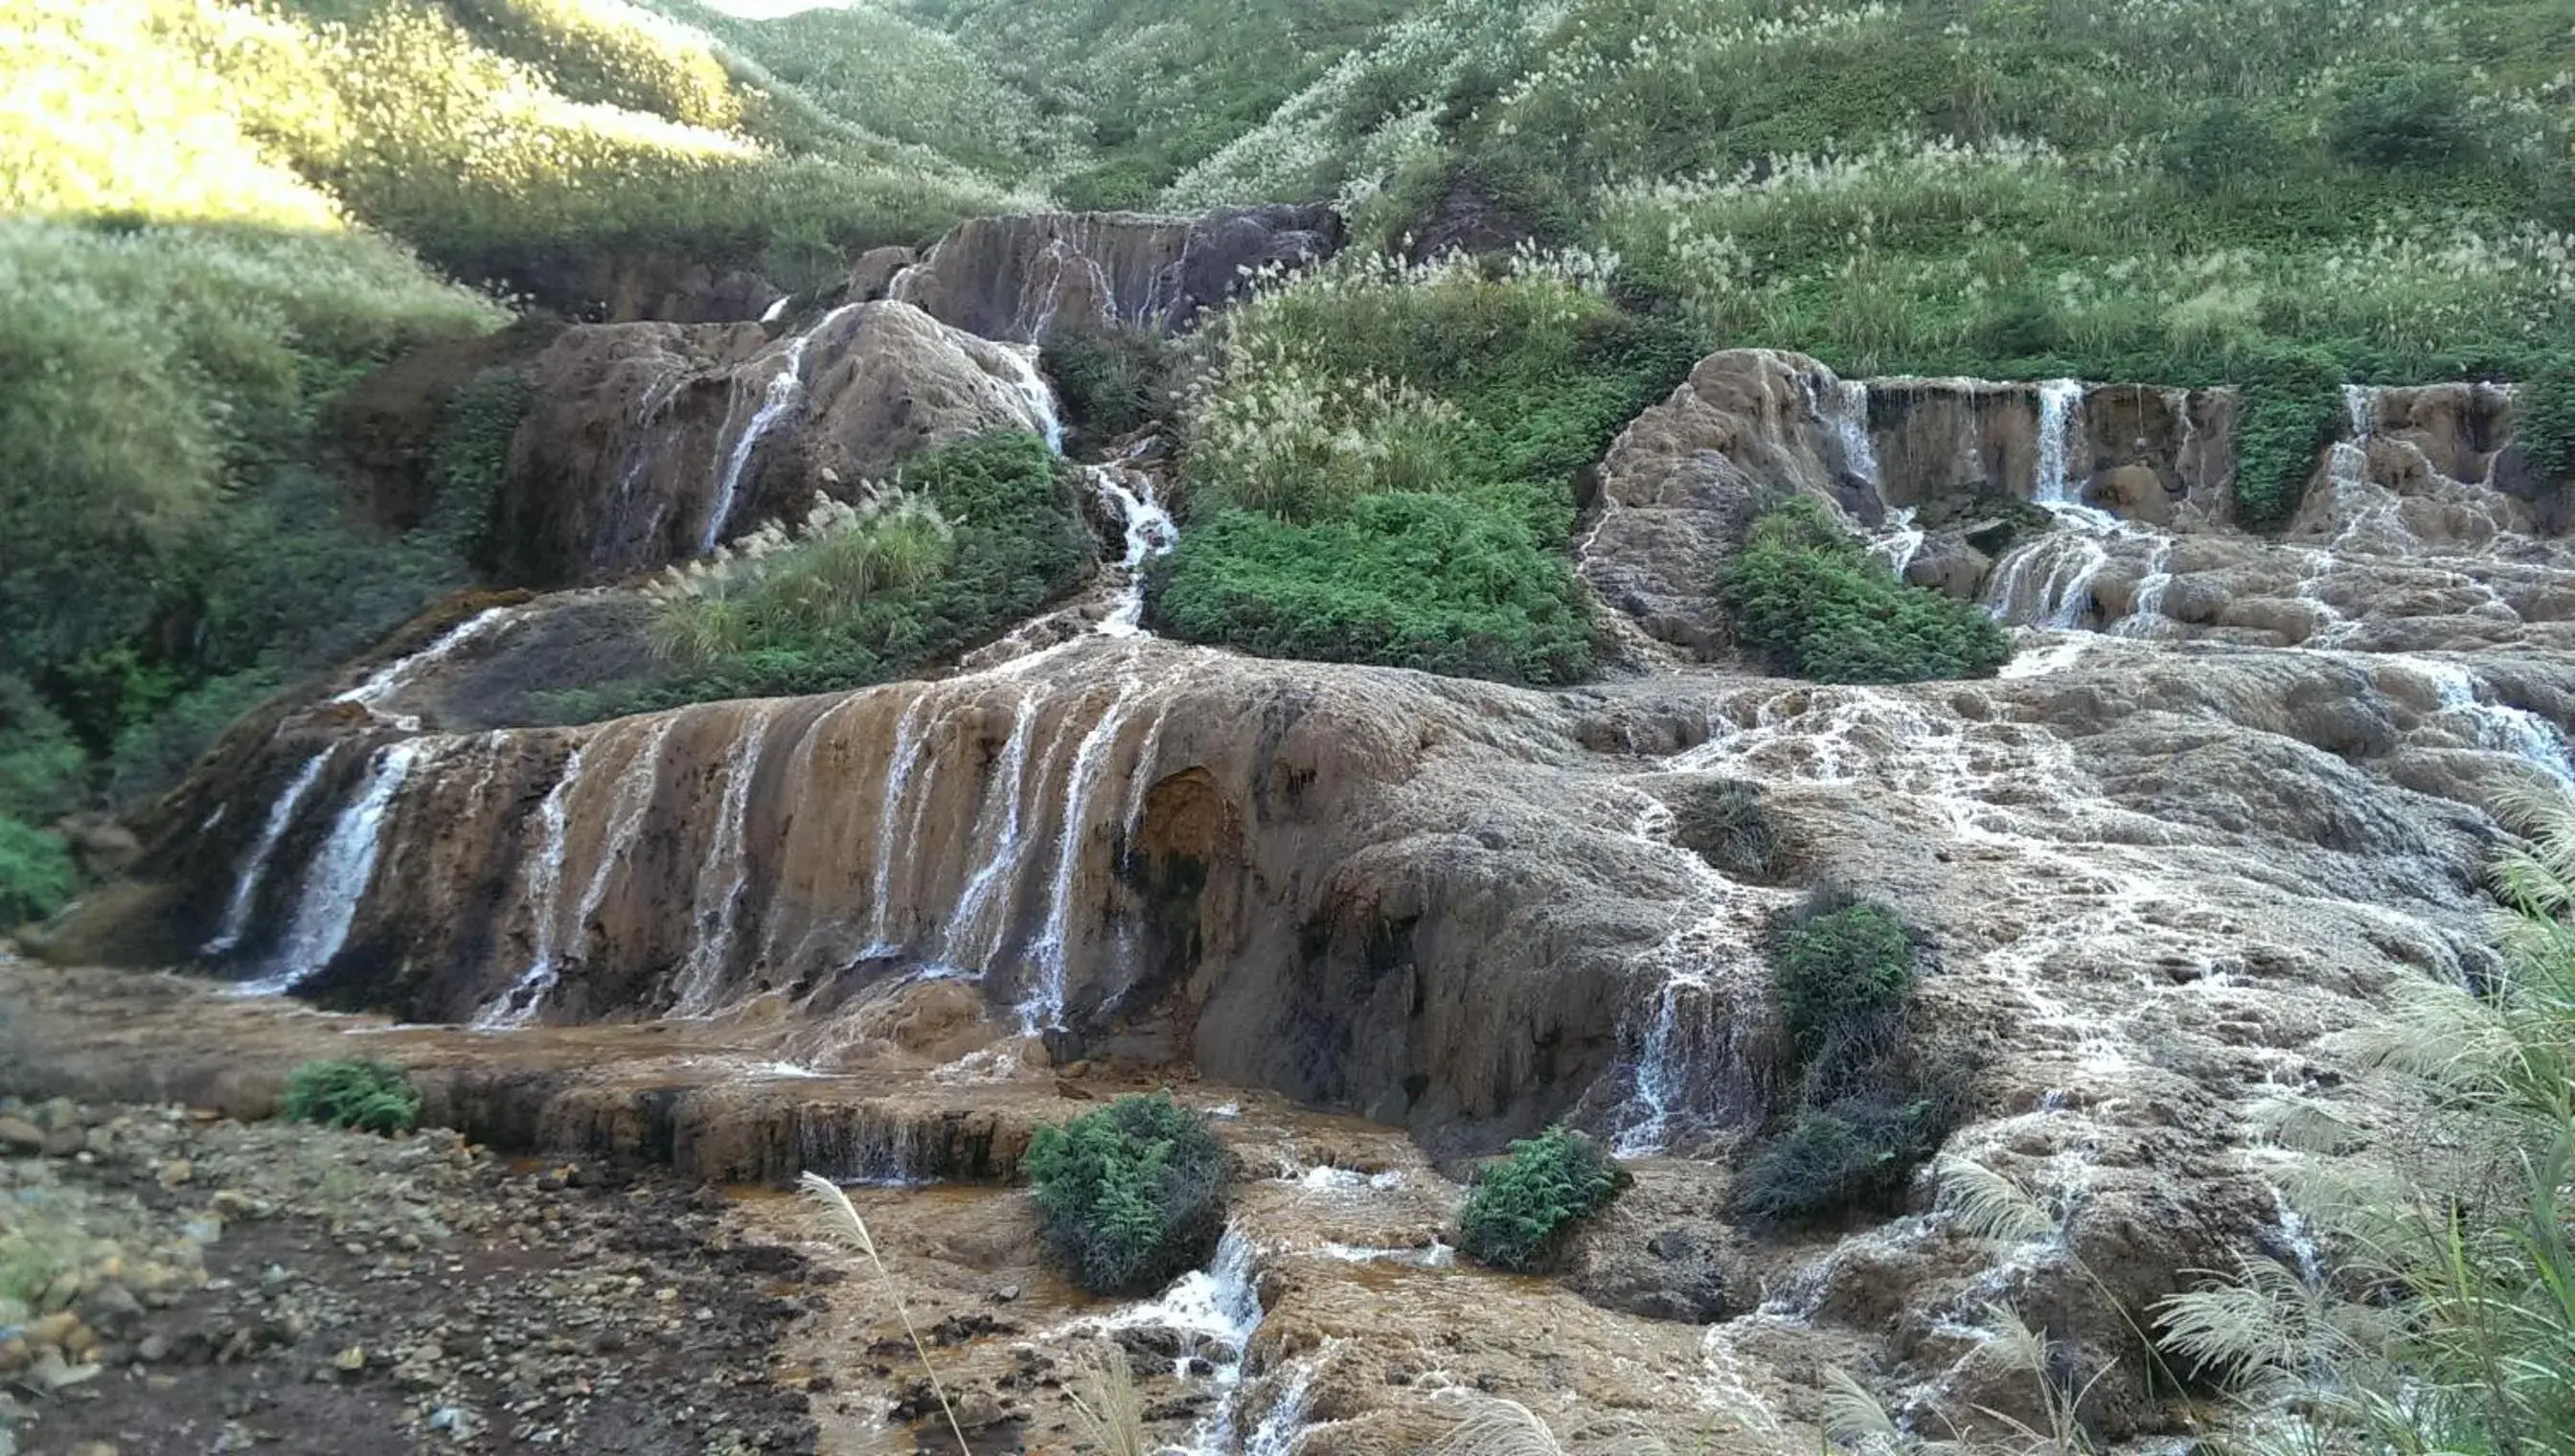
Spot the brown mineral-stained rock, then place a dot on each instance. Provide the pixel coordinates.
(1022, 276)
(648, 443)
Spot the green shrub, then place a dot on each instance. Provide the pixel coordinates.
(1130, 1195)
(41, 764)
(991, 534)
(1815, 603)
(2396, 115)
(1431, 583)
(1111, 382)
(152, 756)
(36, 873)
(469, 457)
(1727, 824)
(2547, 427)
(367, 1096)
(1519, 1206)
(2292, 410)
(1855, 1156)
(1842, 977)
(2223, 144)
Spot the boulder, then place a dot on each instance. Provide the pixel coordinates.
(653, 442)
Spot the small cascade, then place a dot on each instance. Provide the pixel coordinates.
(400, 673)
(1691, 1064)
(1151, 535)
(2360, 411)
(1845, 412)
(2497, 726)
(2295, 1238)
(2146, 609)
(997, 826)
(236, 921)
(1902, 542)
(1031, 384)
(2047, 582)
(1288, 1416)
(725, 875)
(1043, 1010)
(517, 1005)
(785, 388)
(336, 883)
(1217, 1308)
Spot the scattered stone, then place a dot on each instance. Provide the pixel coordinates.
(352, 1359)
(18, 1135)
(177, 1174)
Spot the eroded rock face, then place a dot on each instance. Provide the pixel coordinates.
(1024, 276)
(2093, 506)
(653, 442)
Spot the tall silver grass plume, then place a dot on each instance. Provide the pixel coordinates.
(841, 1219)
(1985, 1204)
(1488, 1425)
(1112, 1420)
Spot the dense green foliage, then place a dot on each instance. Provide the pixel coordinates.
(36, 873)
(980, 535)
(1842, 975)
(1130, 1195)
(1867, 1108)
(1811, 600)
(367, 1096)
(1381, 468)
(1727, 823)
(1521, 1206)
(2446, 1320)
(1112, 382)
(2548, 421)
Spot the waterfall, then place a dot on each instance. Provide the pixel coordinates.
(1692, 1057)
(1008, 783)
(236, 922)
(395, 676)
(1219, 1305)
(2360, 411)
(1044, 1009)
(1846, 414)
(782, 393)
(2061, 414)
(725, 875)
(517, 1005)
(1029, 382)
(2047, 582)
(898, 778)
(1277, 1432)
(336, 883)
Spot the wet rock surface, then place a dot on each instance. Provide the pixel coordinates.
(210, 1285)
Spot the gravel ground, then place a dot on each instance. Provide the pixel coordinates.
(172, 1282)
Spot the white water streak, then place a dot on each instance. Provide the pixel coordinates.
(335, 885)
(236, 922)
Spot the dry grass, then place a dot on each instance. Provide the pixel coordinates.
(840, 1220)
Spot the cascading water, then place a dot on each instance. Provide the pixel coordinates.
(1846, 414)
(900, 763)
(517, 1005)
(1003, 811)
(784, 389)
(1151, 535)
(1693, 1053)
(237, 913)
(400, 673)
(1031, 384)
(1218, 1307)
(2498, 726)
(335, 885)
(1043, 1010)
(1902, 542)
(725, 875)
(2061, 414)
(2047, 582)
(2146, 609)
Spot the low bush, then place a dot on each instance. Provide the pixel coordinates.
(367, 1096)
(979, 535)
(1841, 976)
(1431, 583)
(1871, 1104)
(1853, 1155)
(469, 457)
(2547, 428)
(1727, 824)
(2396, 115)
(1111, 382)
(36, 873)
(1131, 1196)
(41, 764)
(1814, 603)
(2292, 410)
(1521, 1206)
